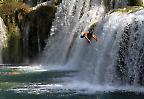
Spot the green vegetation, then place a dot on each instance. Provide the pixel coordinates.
(129, 9)
(40, 22)
(14, 15)
(11, 1)
(57, 2)
(110, 3)
(135, 2)
(11, 8)
(107, 5)
(7, 1)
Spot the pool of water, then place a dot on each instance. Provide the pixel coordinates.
(38, 83)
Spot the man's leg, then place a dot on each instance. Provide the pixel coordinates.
(95, 37)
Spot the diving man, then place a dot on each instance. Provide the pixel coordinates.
(88, 36)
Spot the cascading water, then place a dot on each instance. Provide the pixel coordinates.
(119, 52)
(117, 56)
(2, 37)
(26, 40)
(72, 18)
(132, 61)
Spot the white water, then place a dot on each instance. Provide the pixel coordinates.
(115, 59)
(113, 32)
(75, 88)
(72, 18)
(3, 37)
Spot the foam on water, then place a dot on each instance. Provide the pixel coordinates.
(76, 87)
(114, 61)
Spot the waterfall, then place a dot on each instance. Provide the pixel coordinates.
(119, 53)
(26, 41)
(2, 37)
(134, 53)
(73, 18)
(116, 58)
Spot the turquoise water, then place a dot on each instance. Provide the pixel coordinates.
(70, 95)
(33, 83)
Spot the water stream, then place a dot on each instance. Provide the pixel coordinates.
(115, 59)
(3, 37)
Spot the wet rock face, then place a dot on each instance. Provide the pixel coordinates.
(35, 2)
(27, 30)
(13, 15)
(38, 24)
(135, 2)
(114, 4)
(31, 2)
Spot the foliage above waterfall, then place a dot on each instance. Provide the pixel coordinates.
(10, 8)
(8, 1)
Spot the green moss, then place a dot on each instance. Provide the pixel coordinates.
(107, 5)
(135, 2)
(15, 16)
(40, 22)
(10, 8)
(7, 1)
(12, 51)
(57, 2)
(11, 1)
(129, 9)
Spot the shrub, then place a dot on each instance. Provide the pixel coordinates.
(10, 8)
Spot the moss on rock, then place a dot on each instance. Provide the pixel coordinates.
(17, 16)
(11, 8)
(13, 15)
(128, 9)
(57, 2)
(135, 2)
(107, 5)
(40, 22)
